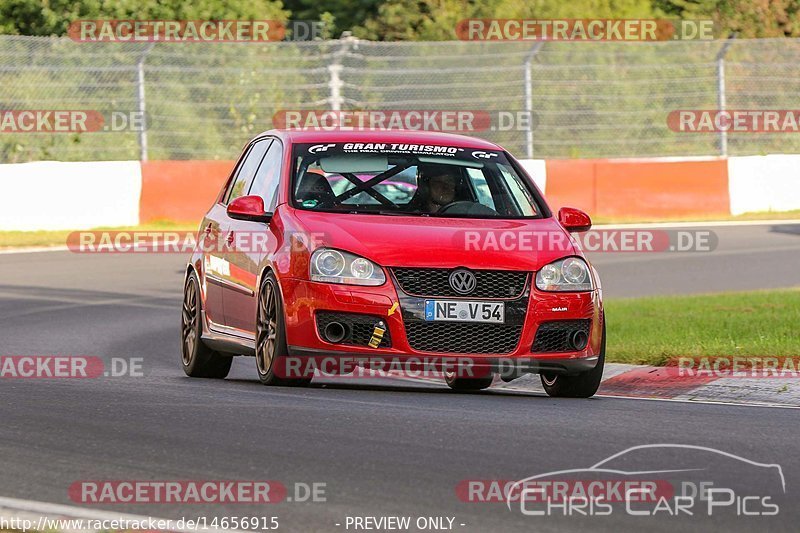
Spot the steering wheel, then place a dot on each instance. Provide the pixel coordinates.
(466, 207)
(451, 205)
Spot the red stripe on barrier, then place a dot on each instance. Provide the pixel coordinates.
(640, 188)
(180, 191)
(623, 189)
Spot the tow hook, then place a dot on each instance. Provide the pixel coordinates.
(379, 329)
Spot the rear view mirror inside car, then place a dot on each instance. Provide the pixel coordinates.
(447, 161)
(340, 163)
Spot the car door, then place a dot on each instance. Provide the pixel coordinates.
(212, 263)
(251, 242)
(218, 259)
(215, 264)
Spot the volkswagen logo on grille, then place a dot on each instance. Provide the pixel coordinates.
(462, 281)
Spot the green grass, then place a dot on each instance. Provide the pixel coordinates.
(654, 329)
(24, 239)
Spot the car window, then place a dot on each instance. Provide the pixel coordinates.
(522, 196)
(247, 170)
(399, 190)
(481, 187)
(424, 180)
(268, 174)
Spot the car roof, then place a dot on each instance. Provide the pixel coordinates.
(382, 136)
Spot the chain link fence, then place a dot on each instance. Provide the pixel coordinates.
(205, 100)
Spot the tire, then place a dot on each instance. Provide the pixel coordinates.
(583, 385)
(197, 359)
(468, 384)
(271, 349)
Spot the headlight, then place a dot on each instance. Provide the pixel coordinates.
(570, 274)
(333, 266)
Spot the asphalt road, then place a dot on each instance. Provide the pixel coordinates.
(744, 258)
(380, 447)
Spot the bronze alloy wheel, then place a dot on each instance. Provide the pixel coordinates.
(266, 328)
(271, 349)
(189, 322)
(198, 360)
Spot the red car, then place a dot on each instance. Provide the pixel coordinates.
(465, 268)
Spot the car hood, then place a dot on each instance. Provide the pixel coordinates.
(434, 242)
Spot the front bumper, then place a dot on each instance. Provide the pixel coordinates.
(303, 298)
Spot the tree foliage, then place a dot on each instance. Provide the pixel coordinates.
(389, 20)
(53, 17)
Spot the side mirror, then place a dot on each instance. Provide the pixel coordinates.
(248, 208)
(574, 220)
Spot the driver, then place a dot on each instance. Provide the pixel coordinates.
(437, 188)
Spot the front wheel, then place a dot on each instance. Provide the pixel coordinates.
(271, 349)
(197, 359)
(583, 385)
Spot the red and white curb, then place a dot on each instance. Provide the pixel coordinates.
(644, 382)
(653, 382)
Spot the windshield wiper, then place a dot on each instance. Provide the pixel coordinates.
(398, 213)
(386, 212)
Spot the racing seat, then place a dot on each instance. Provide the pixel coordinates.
(315, 187)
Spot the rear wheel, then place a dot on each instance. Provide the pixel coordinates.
(271, 349)
(476, 382)
(197, 359)
(583, 385)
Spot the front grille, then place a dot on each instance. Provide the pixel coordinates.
(359, 327)
(554, 336)
(436, 282)
(454, 337)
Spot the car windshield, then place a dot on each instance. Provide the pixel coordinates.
(409, 179)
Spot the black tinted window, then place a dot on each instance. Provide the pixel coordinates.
(247, 170)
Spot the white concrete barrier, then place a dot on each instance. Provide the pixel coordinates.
(764, 183)
(54, 195)
(537, 170)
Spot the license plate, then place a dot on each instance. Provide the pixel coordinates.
(465, 311)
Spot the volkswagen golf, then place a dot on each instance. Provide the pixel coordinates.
(414, 247)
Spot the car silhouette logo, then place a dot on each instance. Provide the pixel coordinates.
(607, 466)
(463, 281)
(320, 148)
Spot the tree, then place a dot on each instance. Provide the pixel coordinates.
(436, 19)
(346, 14)
(748, 18)
(53, 17)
